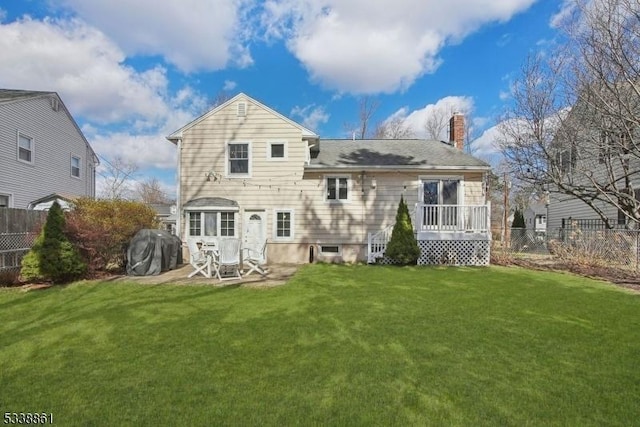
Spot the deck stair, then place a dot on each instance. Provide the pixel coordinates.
(377, 244)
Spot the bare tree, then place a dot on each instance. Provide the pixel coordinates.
(117, 176)
(394, 128)
(436, 123)
(574, 127)
(367, 107)
(150, 191)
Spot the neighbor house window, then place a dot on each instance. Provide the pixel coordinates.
(211, 224)
(337, 188)
(4, 200)
(238, 159)
(75, 166)
(277, 150)
(25, 148)
(283, 224)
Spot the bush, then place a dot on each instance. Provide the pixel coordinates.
(53, 257)
(102, 229)
(403, 247)
(518, 220)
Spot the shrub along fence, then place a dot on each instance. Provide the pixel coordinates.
(18, 230)
(619, 248)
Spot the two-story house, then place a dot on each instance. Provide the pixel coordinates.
(247, 171)
(42, 150)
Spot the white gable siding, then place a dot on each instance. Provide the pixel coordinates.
(55, 140)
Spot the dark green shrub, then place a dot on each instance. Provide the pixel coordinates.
(518, 220)
(52, 256)
(403, 247)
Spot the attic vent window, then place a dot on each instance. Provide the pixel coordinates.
(242, 109)
(54, 104)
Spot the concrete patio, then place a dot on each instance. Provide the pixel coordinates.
(278, 274)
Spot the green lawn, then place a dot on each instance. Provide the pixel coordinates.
(337, 345)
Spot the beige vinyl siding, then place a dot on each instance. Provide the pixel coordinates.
(55, 140)
(285, 185)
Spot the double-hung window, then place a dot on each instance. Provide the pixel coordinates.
(337, 188)
(75, 166)
(283, 226)
(238, 158)
(5, 199)
(25, 148)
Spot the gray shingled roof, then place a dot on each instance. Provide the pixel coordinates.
(391, 153)
(7, 95)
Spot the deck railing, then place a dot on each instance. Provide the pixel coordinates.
(452, 218)
(377, 243)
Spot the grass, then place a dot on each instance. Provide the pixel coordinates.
(337, 345)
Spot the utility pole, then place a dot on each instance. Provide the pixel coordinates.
(505, 213)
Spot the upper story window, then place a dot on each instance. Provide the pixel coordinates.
(75, 166)
(337, 188)
(277, 150)
(238, 157)
(25, 148)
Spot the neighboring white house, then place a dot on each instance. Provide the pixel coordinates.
(246, 171)
(42, 150)
(535, 217)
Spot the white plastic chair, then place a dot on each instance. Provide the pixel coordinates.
(228, 259)
(255, 259)
(199, 260)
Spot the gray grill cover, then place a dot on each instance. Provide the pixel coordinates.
(152, 252)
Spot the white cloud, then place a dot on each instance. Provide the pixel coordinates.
(360, 46)
(145, 150)
(443, 108)
(194, 35)
(229, 85)
(83, 66)
(487, 143)
(312, 116)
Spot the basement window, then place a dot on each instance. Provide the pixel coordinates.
(330, 249)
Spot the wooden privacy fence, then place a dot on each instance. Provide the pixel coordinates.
(18, 230)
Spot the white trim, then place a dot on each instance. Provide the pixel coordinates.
(227, 160)
(75, 156)
(211, 208)
(292, 225)
(325, 188)
(459, 178)
(9, 197)
(32, 148)
(218, 233)
(285, 149)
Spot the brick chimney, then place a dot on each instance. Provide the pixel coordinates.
(456, 130)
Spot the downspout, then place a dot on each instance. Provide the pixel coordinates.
(178, 201)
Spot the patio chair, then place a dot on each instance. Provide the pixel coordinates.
(228, 264)
(255, 259)
(199, 260)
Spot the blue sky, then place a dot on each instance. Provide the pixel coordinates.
(133, 71)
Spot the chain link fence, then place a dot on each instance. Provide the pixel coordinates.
(618, 248)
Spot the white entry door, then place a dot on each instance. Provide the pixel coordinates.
(254, 230)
